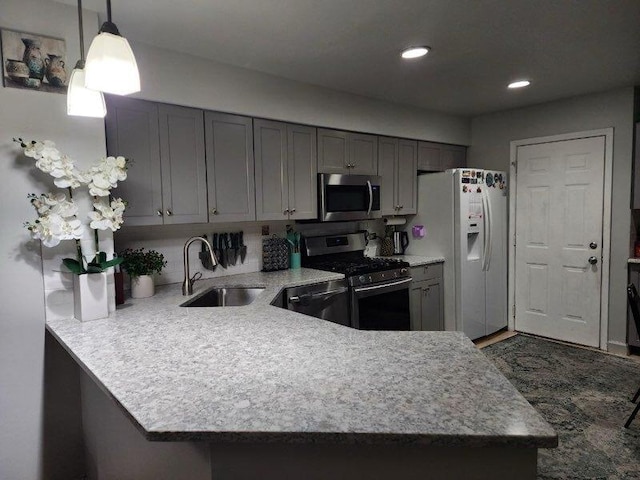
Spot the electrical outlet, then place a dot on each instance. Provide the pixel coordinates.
(265, 230)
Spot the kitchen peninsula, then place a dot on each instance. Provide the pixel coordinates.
(262, 392)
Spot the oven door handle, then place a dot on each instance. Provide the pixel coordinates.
(316, 296)
(370, 197)
(383, 286)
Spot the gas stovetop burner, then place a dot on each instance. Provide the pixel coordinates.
(357, 266)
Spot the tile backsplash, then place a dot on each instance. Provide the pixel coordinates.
(169, 240)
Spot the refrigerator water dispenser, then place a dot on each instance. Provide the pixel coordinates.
(473, 242)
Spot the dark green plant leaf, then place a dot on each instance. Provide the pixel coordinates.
(73, 265)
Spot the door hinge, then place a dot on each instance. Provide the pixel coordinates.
(513, 311)
(514, 239)
(515, 166)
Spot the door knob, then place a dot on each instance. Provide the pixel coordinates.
(593, 245)
(593, 260)
(214, 211)
(169, 213)
(159, 212)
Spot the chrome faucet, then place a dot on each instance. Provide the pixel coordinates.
(187, 284)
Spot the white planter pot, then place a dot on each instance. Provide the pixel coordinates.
(90, 299)
(142, 286)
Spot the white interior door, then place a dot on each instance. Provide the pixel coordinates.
(558, 253)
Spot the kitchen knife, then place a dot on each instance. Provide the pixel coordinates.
(232, 249)
(242, 247)
(225, 252)
(223, 260)
(214, 245)
(205, 257)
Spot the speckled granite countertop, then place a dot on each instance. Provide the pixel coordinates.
(263, 374)
(417, 260)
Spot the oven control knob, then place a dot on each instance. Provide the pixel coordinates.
(362, 279)
(403, 270)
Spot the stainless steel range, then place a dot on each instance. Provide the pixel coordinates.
(378, 288)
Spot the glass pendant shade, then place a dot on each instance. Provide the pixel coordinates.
(81, 101)
(111, 66)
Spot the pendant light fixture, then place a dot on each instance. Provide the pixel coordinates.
(111, 66)
(80, 100)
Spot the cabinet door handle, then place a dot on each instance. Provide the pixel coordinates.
(400, 207)
(159, 213)
(169, 212)
(286, 211)
(293, 210)
(214, 211)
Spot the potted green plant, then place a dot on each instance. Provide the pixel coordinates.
(141, 265)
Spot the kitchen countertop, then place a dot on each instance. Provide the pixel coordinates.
(634, 260)
(259, 373)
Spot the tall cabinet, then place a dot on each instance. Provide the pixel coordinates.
(230, 163)
(397, 165)
(166, 178)
(286, 171)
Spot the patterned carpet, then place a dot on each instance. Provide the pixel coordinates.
(585, 396)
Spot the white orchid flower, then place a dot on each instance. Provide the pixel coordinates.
(107, 215)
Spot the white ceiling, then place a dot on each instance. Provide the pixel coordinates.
(566, 47)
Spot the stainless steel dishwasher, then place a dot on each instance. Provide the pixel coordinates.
(326, 300)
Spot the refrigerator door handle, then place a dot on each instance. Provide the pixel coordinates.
(486, 228)
(490, 237)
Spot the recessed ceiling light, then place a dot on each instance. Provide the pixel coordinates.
(519, 84)
(415, 52)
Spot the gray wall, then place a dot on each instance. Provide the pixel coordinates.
(192, 81)
(25, 439)
(491, 137)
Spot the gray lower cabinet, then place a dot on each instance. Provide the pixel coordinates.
(166, 178)
(427, 298)
(438, 157)
(230, 167)
(286, 171)
(397, 165)
(633, 338)
(347, 152)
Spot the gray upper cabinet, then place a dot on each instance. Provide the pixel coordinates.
(387, 164)
(407, 177)
(286, 171)
(635, 187)
(303, 172)
(363, 154)
(166, 180)
(438, 157)
(132, 131)
(230, 167)
(397, 165)
(347, 153)
(184, 174)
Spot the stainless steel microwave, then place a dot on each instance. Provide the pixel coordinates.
(348, 197)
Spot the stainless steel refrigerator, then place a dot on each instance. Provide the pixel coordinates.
(464, 215)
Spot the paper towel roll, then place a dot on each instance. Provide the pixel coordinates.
(395, 221)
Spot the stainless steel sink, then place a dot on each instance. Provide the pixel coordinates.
(224, 297)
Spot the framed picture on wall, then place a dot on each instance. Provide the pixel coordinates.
(33, 62)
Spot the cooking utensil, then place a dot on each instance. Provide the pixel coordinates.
(242, 247)
(225, 253)
(223, 260)
(232, 249)
(214, 245)
(205, 256)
